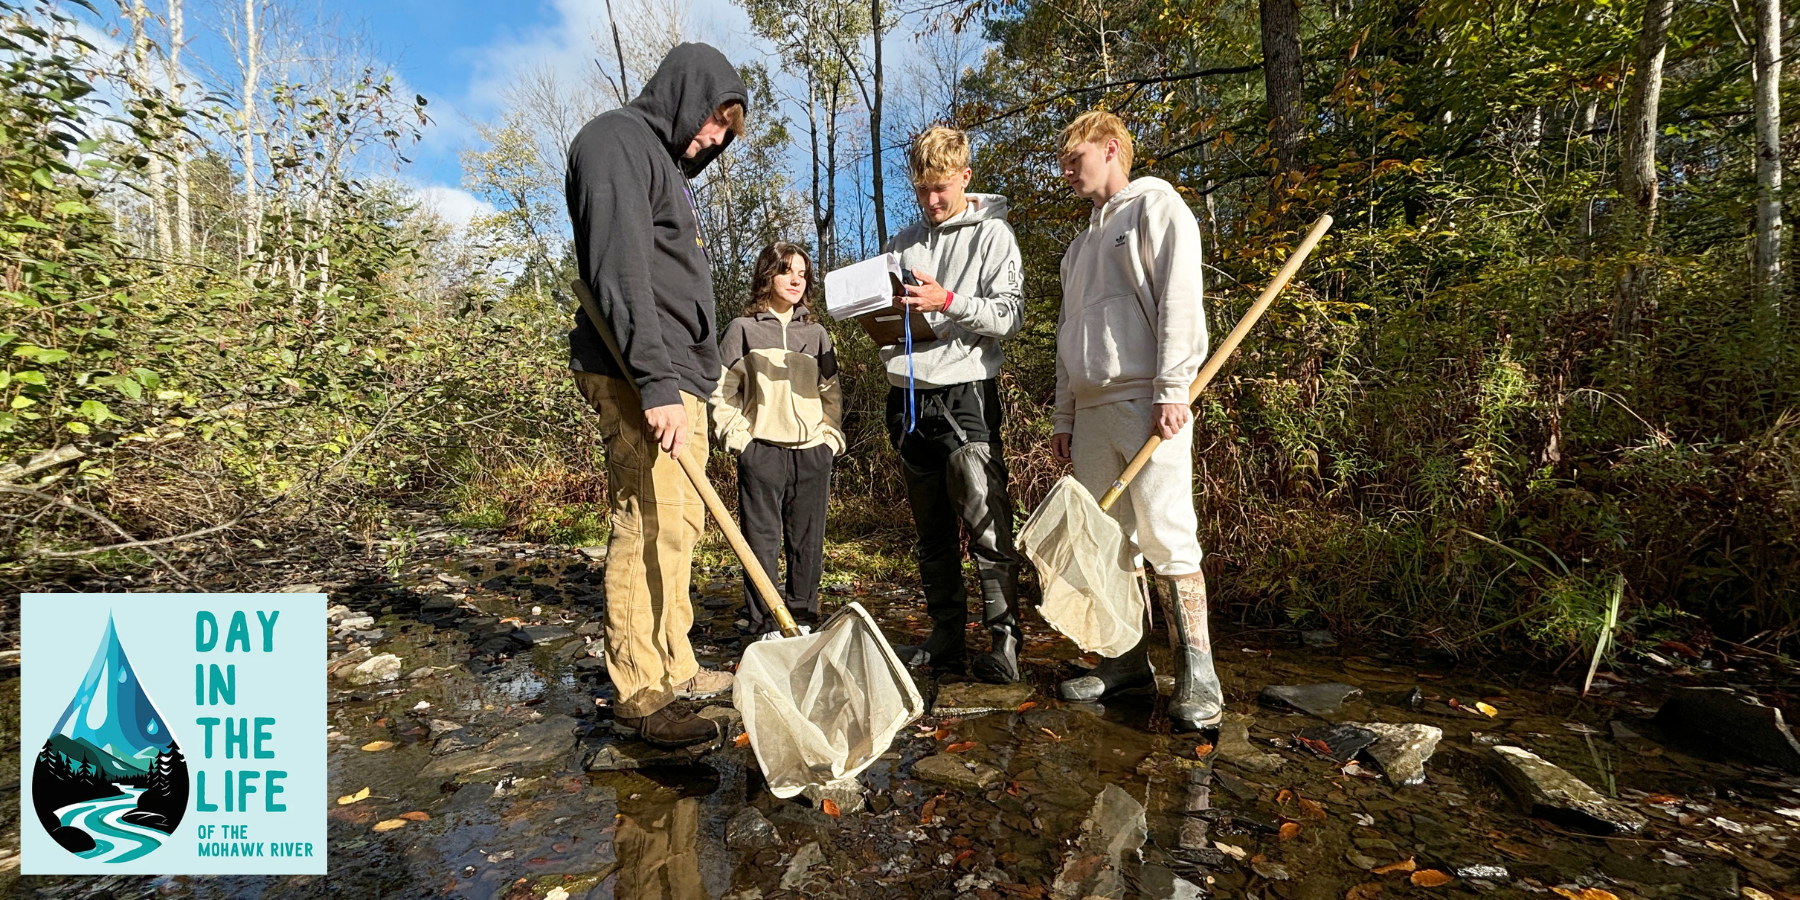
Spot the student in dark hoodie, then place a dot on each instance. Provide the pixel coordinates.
(639, 249)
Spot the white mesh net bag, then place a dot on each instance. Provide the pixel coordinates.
(1090, 590)
(825, 705)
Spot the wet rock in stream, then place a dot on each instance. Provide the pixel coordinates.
(1401, 751)
(1320, 700)
(957, 772)
(375, 670)
(975, 698)
(538, 743)
(1234, 746)
(750, 830)
(1728, 723)
(1545, 790)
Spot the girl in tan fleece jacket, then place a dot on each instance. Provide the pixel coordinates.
(779, 408)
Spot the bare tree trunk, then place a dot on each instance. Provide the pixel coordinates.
(619, 51)
(881, 229)
(140, 76)
(1284, 82)
(821, 220)
(247, 136)
(1767, 100)
(831, 116)
(184, 213)
(1637, 164)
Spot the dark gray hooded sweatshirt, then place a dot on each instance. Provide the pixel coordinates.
(637, 237)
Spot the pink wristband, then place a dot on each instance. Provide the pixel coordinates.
(948, 296)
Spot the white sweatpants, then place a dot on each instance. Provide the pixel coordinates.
(1157, 508)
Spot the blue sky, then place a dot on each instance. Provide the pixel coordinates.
(460, 55)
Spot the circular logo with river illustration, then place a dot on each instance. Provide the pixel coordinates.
(110, 784)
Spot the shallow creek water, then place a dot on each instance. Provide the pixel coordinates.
(492, 737)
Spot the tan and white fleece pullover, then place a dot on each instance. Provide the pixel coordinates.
(778, 384)
(1132, 326)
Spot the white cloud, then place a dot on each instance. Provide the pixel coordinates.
(567, 45)
(454, 205)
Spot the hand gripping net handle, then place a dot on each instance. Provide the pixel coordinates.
(696, 473)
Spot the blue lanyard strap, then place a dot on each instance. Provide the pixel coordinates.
(912, 415)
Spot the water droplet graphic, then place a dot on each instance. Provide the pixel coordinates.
(110, 784)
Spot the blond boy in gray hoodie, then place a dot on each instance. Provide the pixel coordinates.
(943, 408)
(1130, 339)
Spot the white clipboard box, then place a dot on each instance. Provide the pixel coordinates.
(866, 291)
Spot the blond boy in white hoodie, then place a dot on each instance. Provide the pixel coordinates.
(1130, 339)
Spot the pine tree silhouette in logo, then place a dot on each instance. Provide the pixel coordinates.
(110, 783)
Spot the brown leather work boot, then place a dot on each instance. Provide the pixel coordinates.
(668, 728)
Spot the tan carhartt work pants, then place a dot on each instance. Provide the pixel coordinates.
(657, 516)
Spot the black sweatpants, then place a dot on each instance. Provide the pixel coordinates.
(782, 495)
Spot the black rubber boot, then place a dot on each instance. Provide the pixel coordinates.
(948, 606)
(1199, 701)
(1000, 614)
(1126, 672)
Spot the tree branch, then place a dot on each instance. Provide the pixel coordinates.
(1134, 82)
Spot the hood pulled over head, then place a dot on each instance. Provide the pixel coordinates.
(692, 81)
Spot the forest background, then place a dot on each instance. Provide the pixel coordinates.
(1538, 384)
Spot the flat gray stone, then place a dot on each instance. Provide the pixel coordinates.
(347, 661)
(795, 876)
(957, 772)
(1551, 793)
(375, 670)
(1234, 747)
(355, 623)
(441, 727)
(301, 589)
(544, 634)
(1115, 827)
(729, 720)
(1313, 699)
(1730, 723)
(749, 830)
(1401, 751)
(847, 793)
(974, 698)
(593, 552)
(626, 756)
(536, 744)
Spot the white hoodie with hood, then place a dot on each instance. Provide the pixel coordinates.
(974, 255)
(1132, 326)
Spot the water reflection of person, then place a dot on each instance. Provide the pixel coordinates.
(658, 854)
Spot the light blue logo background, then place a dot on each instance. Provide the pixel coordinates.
(285, 682)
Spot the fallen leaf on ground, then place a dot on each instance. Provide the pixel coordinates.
(1585, 893)
(1029, 704)
(830, 807)
(1282, 798)
(390, 824)
(1430, 878)
(359, 796)
(415, 816)
(1311, 809)
(376, 746)
(928, 812)
(1405, 865)
(960, 857)
(1203, 751)
(1655, 799)
(1231, 850)
(1290, 830)
(963, 747)
(1316, 746)
(1486, 709)
(1368, 890)
(742, 740)
(1363, 819)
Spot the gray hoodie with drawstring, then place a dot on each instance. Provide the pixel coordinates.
(974, 255)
